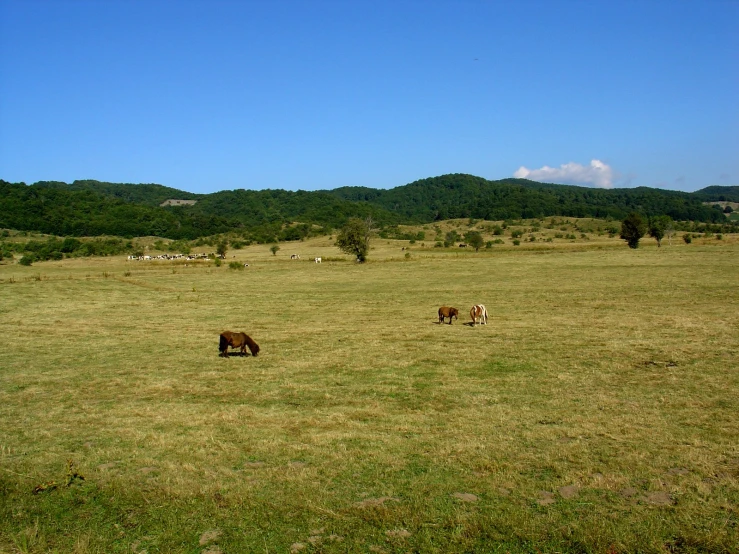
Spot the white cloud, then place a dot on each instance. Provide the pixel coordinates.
(597, 173)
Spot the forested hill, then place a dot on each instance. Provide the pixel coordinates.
(718, 194)
(459, 195)
(147, 194)
(97, 208)
(86, 209)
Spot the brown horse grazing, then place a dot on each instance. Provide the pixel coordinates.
(237, 340)
(446, 311)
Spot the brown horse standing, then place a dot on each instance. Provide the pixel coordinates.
(237, 340)
(446, 311)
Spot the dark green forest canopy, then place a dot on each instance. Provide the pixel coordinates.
(459, 195)
(94, 208)
(717, 193)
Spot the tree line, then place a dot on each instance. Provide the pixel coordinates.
(94, 208)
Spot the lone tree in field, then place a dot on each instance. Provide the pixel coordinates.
(632, 229)
(658, 227)
(274, 248)
(474, 239)
(354, 238)
(222, 248)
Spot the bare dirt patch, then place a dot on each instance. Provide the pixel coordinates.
(376, 502)
(465, 496)
(545, 498)
(658, 498)
(210, 536)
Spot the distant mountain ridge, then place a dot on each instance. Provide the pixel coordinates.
(92, 208)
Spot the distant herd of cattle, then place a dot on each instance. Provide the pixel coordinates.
(202, 256)
(177, 257)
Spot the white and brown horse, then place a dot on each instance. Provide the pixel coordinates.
(479, 311)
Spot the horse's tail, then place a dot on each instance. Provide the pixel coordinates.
(253, 346)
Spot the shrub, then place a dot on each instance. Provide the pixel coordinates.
(687, 238)
(217, 261)
(236, 265)
(516, 242)
(633, 229)
(27, 260)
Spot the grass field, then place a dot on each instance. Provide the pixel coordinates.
(596, 412)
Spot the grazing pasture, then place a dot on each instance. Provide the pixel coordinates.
(598, 411)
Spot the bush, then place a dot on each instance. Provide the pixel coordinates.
(516, 234)
(27, 260)
(516, 242)
(687, 238)
(217, 261)
(236, 265)
(633, 229)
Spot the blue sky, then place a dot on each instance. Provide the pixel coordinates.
(213, 95)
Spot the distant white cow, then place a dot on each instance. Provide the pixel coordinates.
(295, 257)
(318, 260)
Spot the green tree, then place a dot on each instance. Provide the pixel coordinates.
(658, 226)
(450, 238)
(274, 248)
(222, 248)
(633, 229)
(354, 238)
(474, 239)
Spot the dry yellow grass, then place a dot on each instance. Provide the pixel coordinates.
(596, 411)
